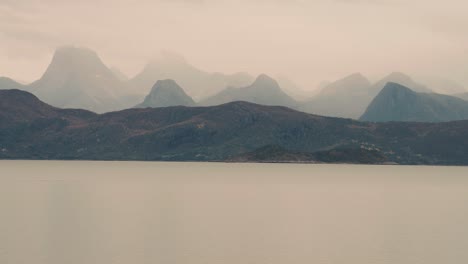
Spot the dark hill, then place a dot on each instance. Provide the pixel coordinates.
(216, 133)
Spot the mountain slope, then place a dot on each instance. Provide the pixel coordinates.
(7, 83)
(264, 90)
(197, 83)
(398, 103)
(347, 97)
(77, 78)
(30, 129)
(166, 93)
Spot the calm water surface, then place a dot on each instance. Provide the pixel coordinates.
(204, 213)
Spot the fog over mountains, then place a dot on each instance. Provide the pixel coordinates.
(197, 83)
(81, 109)
(78, 78)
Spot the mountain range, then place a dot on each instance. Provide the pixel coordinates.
(31, 129)
(77, 78)
(197, 83)
(264, 90)
(350, 96)
(399, 103)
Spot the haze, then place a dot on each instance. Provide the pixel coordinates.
(308, 41)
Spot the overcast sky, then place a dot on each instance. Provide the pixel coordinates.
(309, 41)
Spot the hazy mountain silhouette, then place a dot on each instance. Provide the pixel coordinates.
(347, 97)
(350, 96)
(7, 83)
(264, 90)
(197, 83)
(399, 103)
(166, 93)
(31, 129)
(77, 78)
(402, 79)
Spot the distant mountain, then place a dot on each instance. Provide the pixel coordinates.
(197, 83)
(166, 93)
(77, 78)
(30, 129)
(7, 83)
(350, 96)
(402, 79)
(347, 97)
(119, 74)
(399, 103)
(264, 90)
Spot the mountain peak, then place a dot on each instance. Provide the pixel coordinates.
(74, 54)
(77, 78)
(398, 76)
(265, 81)
(166, 93)
(396, 102)
(349, 84)
(166, 84)
(73, 60)
(396, 88)
(264, 90)
(402, 79)
(355, 78)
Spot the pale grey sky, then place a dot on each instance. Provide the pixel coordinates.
(309, 41)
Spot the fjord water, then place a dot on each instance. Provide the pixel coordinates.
(201, 213)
